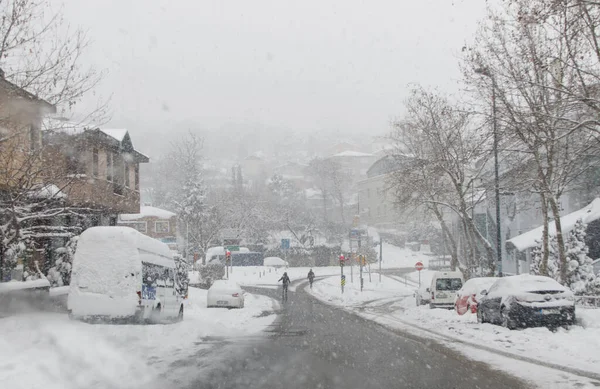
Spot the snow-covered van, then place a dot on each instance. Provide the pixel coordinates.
(444, 286)
(120, 273)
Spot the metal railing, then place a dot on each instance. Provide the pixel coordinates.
(588, 301)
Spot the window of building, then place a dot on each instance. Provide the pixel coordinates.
(140, 226)
(74, 163)
(95, 162)
(137, 177)
(109, 166)
(34, 138)
(161, 227)
(126, 173)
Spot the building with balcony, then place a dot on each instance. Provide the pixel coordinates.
(97, 169)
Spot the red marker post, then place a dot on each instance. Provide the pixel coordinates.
(227, 261)
(419, 266)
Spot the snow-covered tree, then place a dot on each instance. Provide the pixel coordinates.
(202, 222)
(552, 269)
(581, 277)
(182, 267)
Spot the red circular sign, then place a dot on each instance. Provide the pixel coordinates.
(342, 257)
(419, 266)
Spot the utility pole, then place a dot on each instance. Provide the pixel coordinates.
(380, 256)
(486, 72)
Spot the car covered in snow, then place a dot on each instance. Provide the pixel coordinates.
(527, 301)
(443, 288)
(422, 295)
(470, 293)
(122, 274)
(225, 294)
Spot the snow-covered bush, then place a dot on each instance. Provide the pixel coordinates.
(60, 273)
(210, 273)
(182, 267)
(553, 268)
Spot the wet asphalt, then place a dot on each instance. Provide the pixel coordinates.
(314, 345)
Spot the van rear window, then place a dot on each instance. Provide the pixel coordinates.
(448, 284)
(154, 274)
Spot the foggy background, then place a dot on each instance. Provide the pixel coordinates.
(263, 75)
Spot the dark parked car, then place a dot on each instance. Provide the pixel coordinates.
(527, 301)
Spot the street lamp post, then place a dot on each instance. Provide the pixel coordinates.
(485, 72)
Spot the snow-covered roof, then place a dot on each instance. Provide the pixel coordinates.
(274, 261)
(48, 192)
(350, 153)
(146, 211)
(312, 193)
(70, 127)
(117, 133)
(531, 238)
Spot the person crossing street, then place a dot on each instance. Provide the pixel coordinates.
(286, 281)
(311, 277)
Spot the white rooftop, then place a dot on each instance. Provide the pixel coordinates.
(350, 153)
(146, 211)
(532, 238)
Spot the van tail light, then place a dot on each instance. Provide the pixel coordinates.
(236, 295)
(432, 296)
(139, 297)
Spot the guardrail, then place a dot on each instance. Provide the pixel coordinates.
(588, 301)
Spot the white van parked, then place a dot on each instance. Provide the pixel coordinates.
(120, 273)
(444, 286)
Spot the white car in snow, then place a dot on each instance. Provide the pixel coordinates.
(120, 273)
(225, 294)
(444, 285)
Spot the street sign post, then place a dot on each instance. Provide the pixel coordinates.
(342, 260)
(361, 261)
(285, 244)
(419, 266)
(343, 282)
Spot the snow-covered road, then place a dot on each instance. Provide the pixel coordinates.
(391, 303)
(41, 350)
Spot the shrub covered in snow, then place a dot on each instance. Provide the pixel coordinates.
(60, 273)
(210, 273)
(580, 272)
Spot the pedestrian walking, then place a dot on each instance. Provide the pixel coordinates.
(286, 282)
(311, 277)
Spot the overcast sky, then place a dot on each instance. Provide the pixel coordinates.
(303, 65)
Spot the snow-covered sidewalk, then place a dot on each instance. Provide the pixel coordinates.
(392, 304)
(50, 351)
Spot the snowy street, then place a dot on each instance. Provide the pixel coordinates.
(315, 346)
(37, 348)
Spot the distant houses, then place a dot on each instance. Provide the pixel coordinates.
(155, 222)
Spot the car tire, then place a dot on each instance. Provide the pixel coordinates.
(507, 322)
(180, 315)
(155, 315)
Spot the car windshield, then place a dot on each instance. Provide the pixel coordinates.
(444, 284)
(284, 192)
